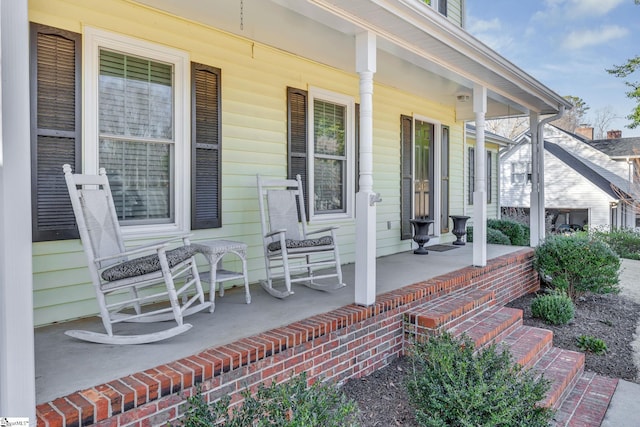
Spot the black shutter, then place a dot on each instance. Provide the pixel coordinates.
(297, 138)
(489, 175)
(55, 129)
(206, 176)
(472, 173)
(406, 176)
(357, 148)
(442, 7)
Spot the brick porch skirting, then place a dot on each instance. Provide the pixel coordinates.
(348, 342)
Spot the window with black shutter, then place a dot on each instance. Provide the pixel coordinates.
(206, 174)
(55, 129)
(330, 163)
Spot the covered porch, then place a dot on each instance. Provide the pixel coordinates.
(245, 344)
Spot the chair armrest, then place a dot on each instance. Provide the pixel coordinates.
(273, 233)
(322, 230)
(154, 246)
(137, 250)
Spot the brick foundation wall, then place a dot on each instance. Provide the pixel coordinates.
(349, 342)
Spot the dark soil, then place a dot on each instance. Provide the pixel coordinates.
(382, 396)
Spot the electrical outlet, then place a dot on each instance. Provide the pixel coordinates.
(388, 225)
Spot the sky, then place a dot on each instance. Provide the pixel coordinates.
(567, 45)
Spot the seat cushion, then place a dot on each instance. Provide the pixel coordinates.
(146, 264)
(296, 244)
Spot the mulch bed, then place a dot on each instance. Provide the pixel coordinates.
(383, 400)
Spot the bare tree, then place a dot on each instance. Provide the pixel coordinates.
(510, 127)
(602, 119)
(573, 118)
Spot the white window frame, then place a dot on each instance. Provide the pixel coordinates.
(349, 103)
(518, 177)
(94, 40)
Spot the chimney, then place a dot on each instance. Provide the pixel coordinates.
(586, 131)
(614, 134)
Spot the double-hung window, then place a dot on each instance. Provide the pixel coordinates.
(519, 172)
(331, 140)
(136, 129)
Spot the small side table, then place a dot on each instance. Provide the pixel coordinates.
(214, 251)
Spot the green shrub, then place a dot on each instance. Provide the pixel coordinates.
(513, 230)
(504, 232)
(591, 344)
(286, 404)
(577, 263)
(625, 242)
(497, 237)
(555, 308)
(452, 386)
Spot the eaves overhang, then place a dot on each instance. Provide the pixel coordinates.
(418, 29)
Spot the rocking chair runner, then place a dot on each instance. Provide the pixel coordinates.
(288, 246)
(113, 270)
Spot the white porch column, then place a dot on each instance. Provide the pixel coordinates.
(534, 204)
(366, 199)
(17, 371)
(480, 183)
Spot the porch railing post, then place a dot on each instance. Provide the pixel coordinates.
(17, 366)
(366, 199)
(480, 194)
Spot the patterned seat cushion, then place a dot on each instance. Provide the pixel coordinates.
(307, 243)
(146, 264)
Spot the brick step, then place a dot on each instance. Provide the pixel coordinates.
(448, 310)
(527, 344)
(587, 403)
(490, 325)
(563, 369)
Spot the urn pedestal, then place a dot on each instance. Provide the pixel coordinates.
(421, 234)
(459, 228)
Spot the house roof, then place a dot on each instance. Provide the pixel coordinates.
(597, 175)
(593, 168)
(618, 148)
(435, 58)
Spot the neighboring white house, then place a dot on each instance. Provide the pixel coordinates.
(583, 185)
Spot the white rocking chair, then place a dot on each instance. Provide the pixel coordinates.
(288, 245)
(113, 270)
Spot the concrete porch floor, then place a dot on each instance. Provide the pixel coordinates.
(65, 365)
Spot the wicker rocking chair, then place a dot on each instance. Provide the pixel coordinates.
(292, 252)
(126, 279)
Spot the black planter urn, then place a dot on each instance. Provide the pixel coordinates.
(421, 234)
(459, 228)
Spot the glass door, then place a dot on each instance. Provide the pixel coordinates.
(423, 170)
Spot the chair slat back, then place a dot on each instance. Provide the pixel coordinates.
(281, 204)
(95, 215)
(102, 227)
(283, 212)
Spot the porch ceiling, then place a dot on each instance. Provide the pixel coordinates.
(434, 58)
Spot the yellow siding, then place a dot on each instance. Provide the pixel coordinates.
(254, 82)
